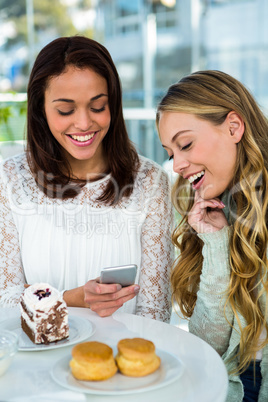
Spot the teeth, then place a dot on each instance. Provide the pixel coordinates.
(81, 138)
(195, 176)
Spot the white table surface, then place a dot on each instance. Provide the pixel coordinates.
(204, 378)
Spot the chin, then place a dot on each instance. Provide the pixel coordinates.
(209, 194)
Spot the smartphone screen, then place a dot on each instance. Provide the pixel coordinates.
(123, 274)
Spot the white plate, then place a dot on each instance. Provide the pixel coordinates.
(171, 369)
(79, 330)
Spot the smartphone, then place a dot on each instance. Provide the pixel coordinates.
(123, 274)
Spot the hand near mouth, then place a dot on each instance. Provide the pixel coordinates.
(206, 216)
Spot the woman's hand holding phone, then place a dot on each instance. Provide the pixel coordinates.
(105, 299)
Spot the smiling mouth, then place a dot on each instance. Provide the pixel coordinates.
(82, 138)
(194, 179)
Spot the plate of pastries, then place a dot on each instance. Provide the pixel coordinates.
(134, 365)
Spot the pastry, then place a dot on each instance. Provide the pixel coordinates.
(136, 357)
(92, 361)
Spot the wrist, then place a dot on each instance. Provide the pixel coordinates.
(216, 237)
(62, 293)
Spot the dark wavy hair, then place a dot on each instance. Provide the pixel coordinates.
(45, 155)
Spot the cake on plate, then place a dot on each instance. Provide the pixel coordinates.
(44, 314)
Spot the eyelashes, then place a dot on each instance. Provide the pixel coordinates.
(182, 149)
(186, 146)
(98, 110)
(71, 111)
(65, 113)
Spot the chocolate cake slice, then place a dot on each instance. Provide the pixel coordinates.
(44, 314)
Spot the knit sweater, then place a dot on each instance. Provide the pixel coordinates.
(209, 318)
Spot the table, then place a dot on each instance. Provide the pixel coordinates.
(204, 378)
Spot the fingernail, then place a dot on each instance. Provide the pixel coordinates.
(222, 204)
(118, 287)
(136, 289)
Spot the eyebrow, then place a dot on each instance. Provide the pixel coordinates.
(72, 101)
(175, 136)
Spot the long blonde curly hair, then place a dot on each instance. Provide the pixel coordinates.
(211, 95)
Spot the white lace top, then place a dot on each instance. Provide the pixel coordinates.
(66, 243)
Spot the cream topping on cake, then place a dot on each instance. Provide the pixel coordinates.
(41, 296)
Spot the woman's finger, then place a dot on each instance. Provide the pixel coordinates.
(94, 286)
(102, 308)
(105, 294)
(206, 215)
(200, 209)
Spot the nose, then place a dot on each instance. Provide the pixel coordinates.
(180, 163)
(83, 120)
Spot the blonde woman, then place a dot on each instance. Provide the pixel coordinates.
(217, 136)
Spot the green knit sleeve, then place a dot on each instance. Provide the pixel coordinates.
(210, 320)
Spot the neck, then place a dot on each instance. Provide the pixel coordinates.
(91, 169)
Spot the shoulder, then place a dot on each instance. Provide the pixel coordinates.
(15, 166)
(150, 168)
(152, 178)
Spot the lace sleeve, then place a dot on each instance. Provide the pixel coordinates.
(11, 271)
(154, 299)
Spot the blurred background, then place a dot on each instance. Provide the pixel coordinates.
(153, 44)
